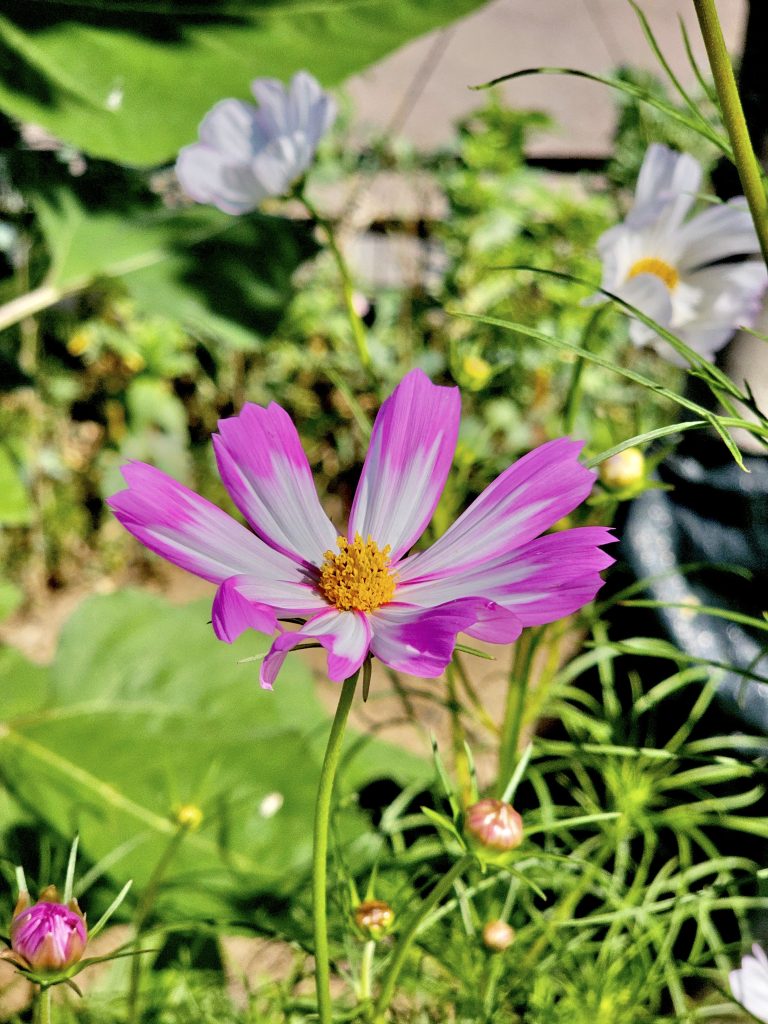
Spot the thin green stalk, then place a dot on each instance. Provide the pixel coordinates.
(495, 972)
(733, 116)
(458, 739)
(405, 942)
(358, 331)
(573, 398)
(366, 968)
(514, 712)
(320, 850)
(44, 1006)
(143, 910)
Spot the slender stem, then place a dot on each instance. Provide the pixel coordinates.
(458, 739)
(320, 850)
(495, 971)
(45, 1004)
(143, 910)
(29, 304)
(366, 967)
(514, 712)
(358, 331)
(733, 116)
(405, 942)
(573, 398)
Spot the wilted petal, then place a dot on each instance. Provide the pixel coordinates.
(345, 635)
(411, 449)
(526, 499)
(189, 531)
(264, 468)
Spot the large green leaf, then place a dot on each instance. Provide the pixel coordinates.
(149, 712)
(218, 275)
(129, 80)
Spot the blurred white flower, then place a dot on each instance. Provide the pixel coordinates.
(247, 153)
(749, 983)
(669, 267)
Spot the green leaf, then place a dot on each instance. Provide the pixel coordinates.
(130, 80)
(150, 712)
(15, 506)
(218, 275)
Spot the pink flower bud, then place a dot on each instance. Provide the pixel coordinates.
(48, 936)
(494, 828)
(498, 936)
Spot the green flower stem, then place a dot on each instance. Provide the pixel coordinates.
(44, 1006)
(405, 942)
(458, 739)
(143, 910)
(366, 967)
(320, 849)
(573, 399)
(733, 116)
(358, 331)
(514, 712)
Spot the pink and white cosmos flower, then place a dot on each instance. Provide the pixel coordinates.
(489, 575)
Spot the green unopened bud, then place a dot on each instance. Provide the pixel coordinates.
(476, 371)
(623, 470)
(189, 816)
(494, 829)
(498, 936)
(374, 918)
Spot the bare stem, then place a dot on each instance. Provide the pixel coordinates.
(733, 116)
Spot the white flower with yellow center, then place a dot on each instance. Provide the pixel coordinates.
(671, 268)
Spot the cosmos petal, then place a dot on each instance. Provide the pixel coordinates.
(254, 602)
(266, 472)
(420, 641)
(189, 531)
(345, 635)
(410, 453)
(526, 499)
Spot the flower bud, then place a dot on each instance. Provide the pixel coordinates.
(189, 816)
(374, 918)
(498, 936)
(476, 371)
(624, 469)
(494, 829)
(48, 936)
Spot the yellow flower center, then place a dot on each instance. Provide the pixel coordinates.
(358, 576)
(662, 270)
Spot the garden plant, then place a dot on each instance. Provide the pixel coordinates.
(392, 730)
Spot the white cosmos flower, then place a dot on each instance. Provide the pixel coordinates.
(670, 268)
(749, 983)
(247, 153)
